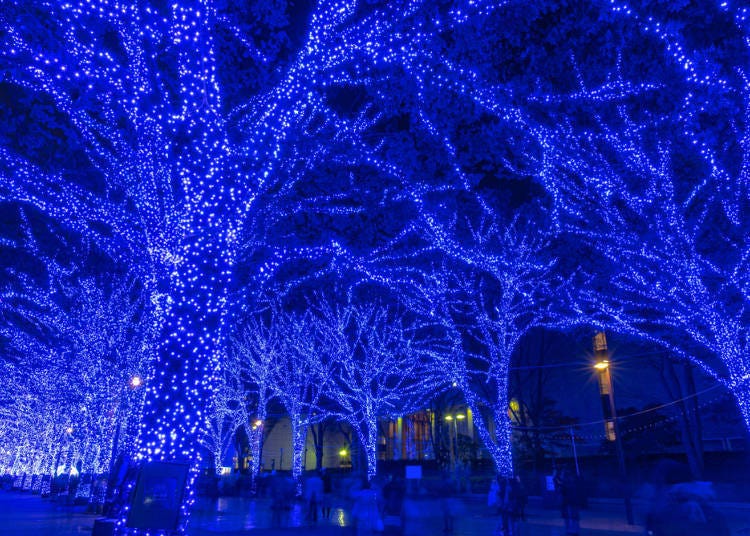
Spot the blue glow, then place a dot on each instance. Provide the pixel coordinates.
(417, 154)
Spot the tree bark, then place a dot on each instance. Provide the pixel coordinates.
(682, 389)
(371, 448)
(318, 432)
(498, 443)
(255, 435)
(299, 438)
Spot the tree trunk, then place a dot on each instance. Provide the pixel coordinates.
(742, 397)
(682, 389)
(299, 438)
(318, 432)
(371, 447)
(255, 437)
(695, 425)
(499, 443)
(189, 360)
(357, 455)
(183, 382)
(538, 415)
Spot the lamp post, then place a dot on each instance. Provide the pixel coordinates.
(606, 390)
(454, 418)
(134, 383)
(258, 442)
(66, 434)
(256, 453)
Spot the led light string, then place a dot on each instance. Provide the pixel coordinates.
(174, 194)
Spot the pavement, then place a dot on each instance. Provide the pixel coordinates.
(424, 516)
(23, 514)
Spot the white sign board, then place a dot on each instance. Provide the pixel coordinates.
(413, 472)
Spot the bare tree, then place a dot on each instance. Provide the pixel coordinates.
(255, 348)
(381, 368)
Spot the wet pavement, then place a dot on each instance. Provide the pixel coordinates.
(424, 516)
(23, 514)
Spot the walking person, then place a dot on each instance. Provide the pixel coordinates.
(571, 493)
(327, 500)
(502, 487)
(366, 512)
(393, 506)
(514, 503)
(279, 500)
(493, 499)
(313, 495)
(448, 504)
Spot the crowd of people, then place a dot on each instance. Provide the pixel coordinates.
(316, 493)
(381, 506)
(374, 507)
(508, 497)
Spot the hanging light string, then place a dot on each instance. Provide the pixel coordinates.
(624, 418)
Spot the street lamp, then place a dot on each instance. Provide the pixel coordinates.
(257, 446)
(255, 439)
(134, 383)
(65, 435)
(607, 393)
(343, 458)
(454, 418)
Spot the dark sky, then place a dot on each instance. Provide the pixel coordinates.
(573, 384)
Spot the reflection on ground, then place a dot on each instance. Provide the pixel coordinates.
(239, 513)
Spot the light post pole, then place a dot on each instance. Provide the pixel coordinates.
(343, 453)
(454, 418)
(134, 383)
(258, 441)
(67, 433)
(256, 454)
(606, 390)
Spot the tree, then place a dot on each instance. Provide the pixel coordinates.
(380, 368)
(226, 414)
(530, 379)
(645, 431)
(301, 376)
(174, 135)
(670, 225)
(649, 168)
(73, 342)
(255, 349)
(508, 293)
(678, 380)
(188, 139)
(320, 429)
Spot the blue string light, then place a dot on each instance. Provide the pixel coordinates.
(168, 175)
